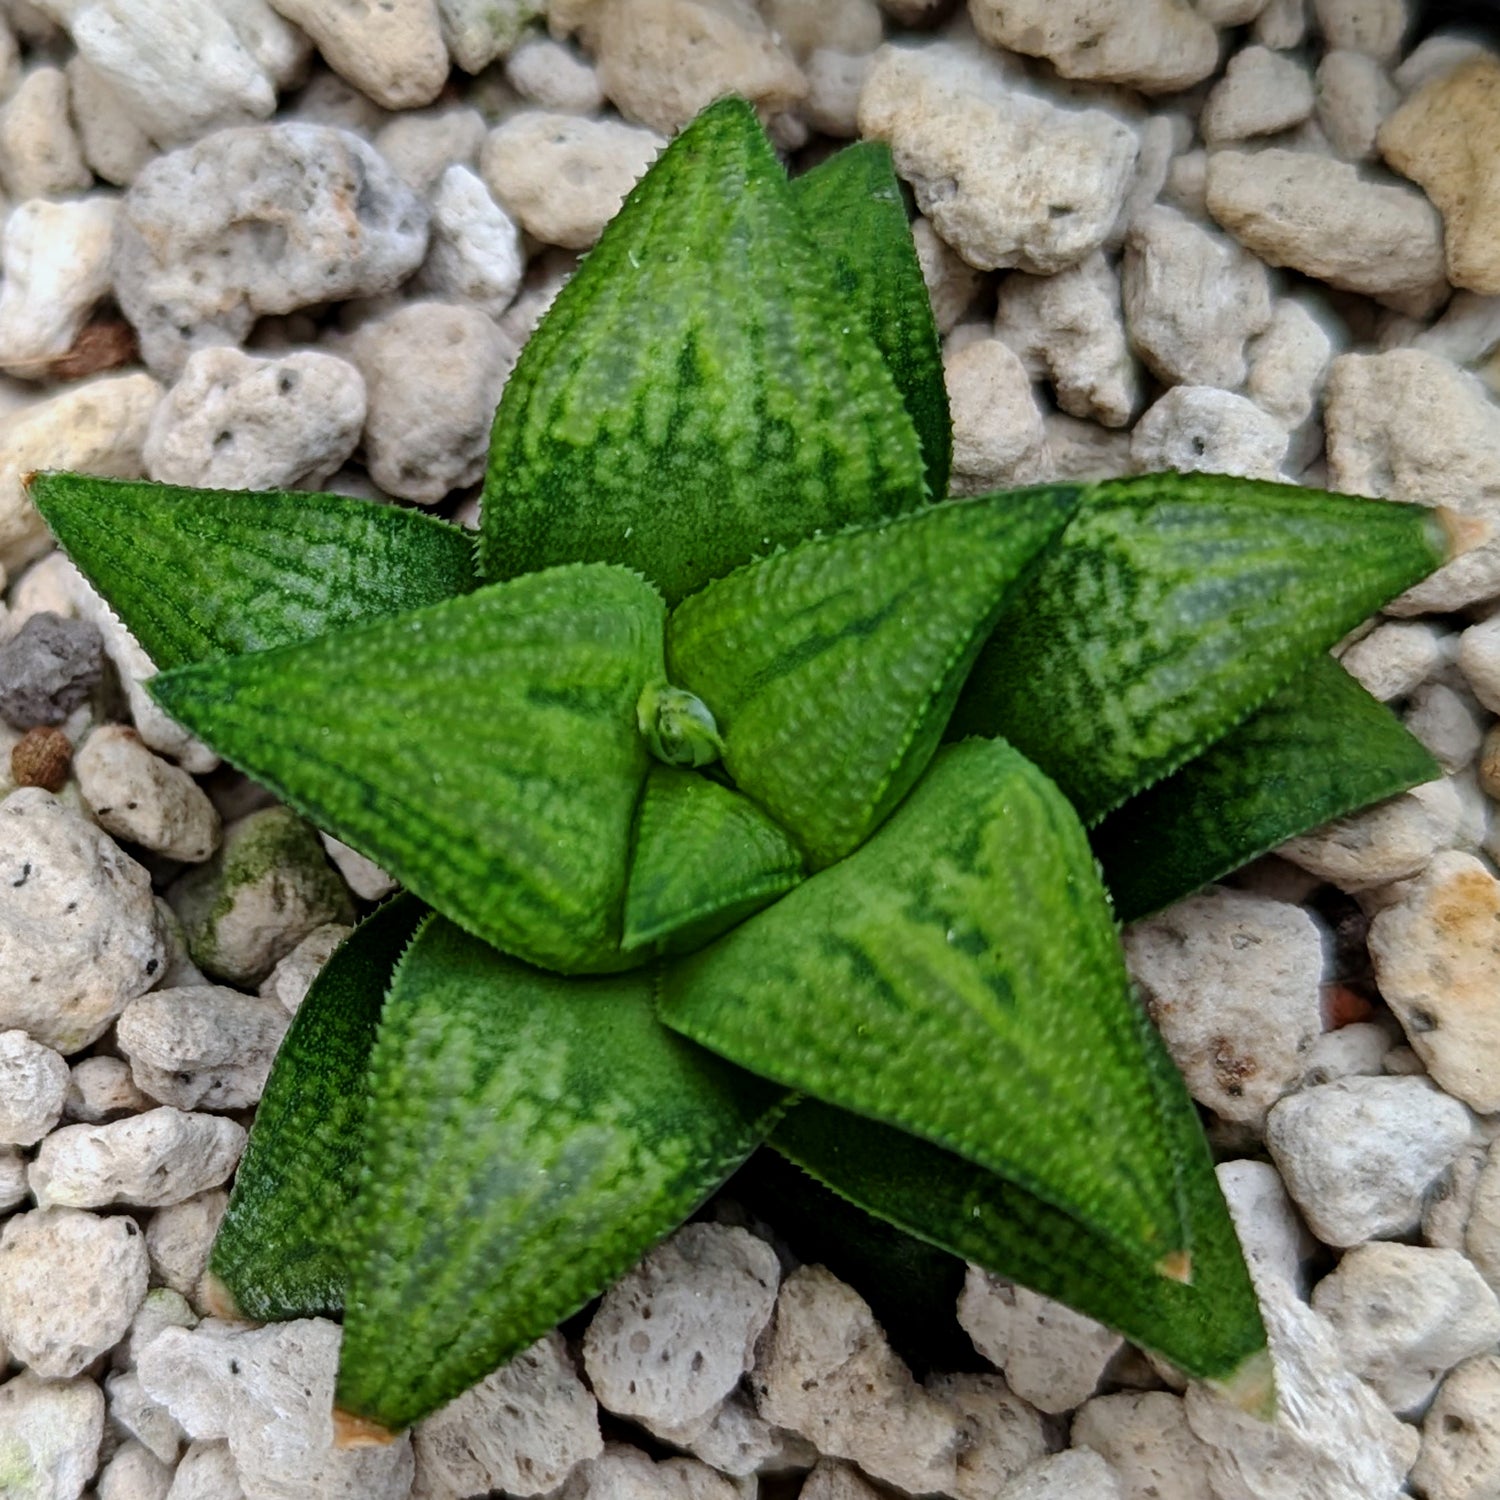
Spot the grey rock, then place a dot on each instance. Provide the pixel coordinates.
(47, 668)
(33, 1089)
(1078, 1474)
(206, 1471)
(1354, 95)
(1146, 1439)
(554, 76)
(1002, 1435)
(134, 1473)
(475, 253)
(1397, 657)
(133, 1411)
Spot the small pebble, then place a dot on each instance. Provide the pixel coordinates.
(41, 758)
(53, 1429)
(142, 799)
(1461, 1434)
(179, 1239)
(33, 1089)
(47, 668)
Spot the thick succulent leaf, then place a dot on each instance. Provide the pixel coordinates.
(696, 395)
(832, 669)
(201, 573)
(705, 859)
(851, 205)
(530, 1137)
(484, 751)
(1175, 605)
(1209, 1327)
(1321, 748)
(959, 977)
(282, 1250)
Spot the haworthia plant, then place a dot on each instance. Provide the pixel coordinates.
(669, 773)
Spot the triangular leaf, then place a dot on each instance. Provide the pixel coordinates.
(484, 751)
(705, 859)
(1319, 749)
(832, 669)
(695, 395)
(530, 1138)
(1209, 1327)
(201, 573)
(959, 977)
(851, 205)
(1175, 605)
(282, 1249)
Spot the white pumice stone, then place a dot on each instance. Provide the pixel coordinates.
(149, 1423)
(1069, 329)
(96, 427)
(114, 144)
(831, 1480)
(13, 1189)
(394, 53)
(163, 1308)
(142, 799)
(661, 61)
(53, 273)
(1261, 92)
(70, 1282)
(1002, 1434)
(147, 1161)
(1146, 1439)
(999, 440)
(1358, 1155)
(1319, 216)
(206, 1047)
(834, 83)
(288, 983)
(33, 1089)
(952, 283)
(363, 876)
(1077, 1474)
(179, 1239)
(1404, 1315)
(434, 373)
(1375, 27)
(422, 144)
(52, 1432)
(1479, 661)
(1436, 952)
(1450, 1200)
(39, 152)
(1351, 1051)
(674, 1337)
(1276, 1243)
(1233, 982)
(1448, 722)
(1052, 1356)
(736, 1440)
(825, 1370)
(1354, 95)
(269, 1392)
(79, 933)
(234, 421)
(260, 219)
(1288, 364)
(206, 1471)
(134, 1473)
(853, 25)
(554, 76)
(1461, 1434)
(1202, 429)
(1007, 179)
(622, 1471)
(523, 1429)
(1397, 657)
(562, 177)
(475, 253)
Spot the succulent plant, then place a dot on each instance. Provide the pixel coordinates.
(742, 793)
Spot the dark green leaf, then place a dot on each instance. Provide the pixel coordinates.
(200, 573)
(695, 396)
(851, 205)
(832, 669)
(705, 859)
(959, 977)
(484, 751)
(529, 1138)
(1209, 1327)
(1319, 749)
(1175, 605)
(282, 1250)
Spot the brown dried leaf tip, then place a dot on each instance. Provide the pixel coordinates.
(41, 757)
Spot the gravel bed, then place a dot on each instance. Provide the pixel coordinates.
(299, 244)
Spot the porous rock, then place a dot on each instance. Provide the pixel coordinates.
(265, 889)
(1260, 93)
(1375, 27)
(674, 1337)
(1319, 216)
(1158, 46)
(1437, 960)
(393, 52)
(1002, 1434)
(1397, 657)
(1288, 363)
(179, 1239)
(563, 177)
(288, 983)
(363, 876)
(434, 373)
(255, 220)
(620, 1472)
(1192, 299)
(79, 933)
(52, 1431)
(70, 1282)
(479, 31)
(422, 144)
(1052, 1356)
(1233, 982)
(47, 668)
(147, 1161)
(1077, 1474)
(206, 1471)
(475, 254)
(13, 1189)
(1146, 1439)
(522, 1429)
(131, 1410)
(553, 75)
(999, 441)
(1007, 179)
(1404, 1315)
(1202, 429)
(1069, 329)
(206, 1047)
(236, 422)
(825, 1370)
(952, 283)
(33, 1089)
(139, 797)
(1354, 95)
(39, 152)
(1358, 1155)
(134, 1473)
(1478, 660)
(269, 1392)
(1461, 1434)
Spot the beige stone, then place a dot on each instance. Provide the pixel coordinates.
(1447, 138)
(393, 52)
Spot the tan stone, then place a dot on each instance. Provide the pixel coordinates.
(1446, 137)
